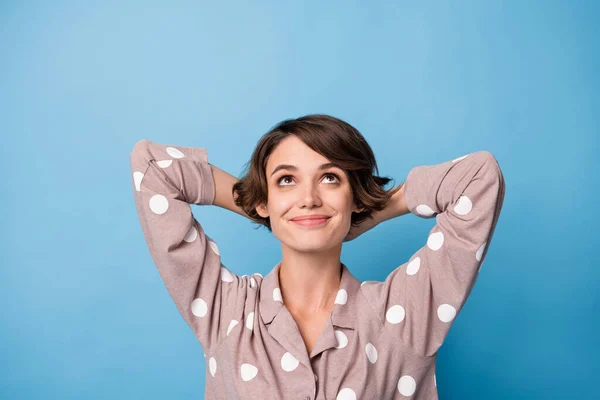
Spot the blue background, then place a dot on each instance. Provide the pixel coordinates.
(84, 313)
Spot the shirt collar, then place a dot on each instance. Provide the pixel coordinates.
(342, 314)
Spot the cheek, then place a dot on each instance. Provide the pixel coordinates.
(279, 205)
(341, 203)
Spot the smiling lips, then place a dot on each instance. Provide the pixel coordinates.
(311, 220)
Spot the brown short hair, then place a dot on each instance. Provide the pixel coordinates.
(334, 139)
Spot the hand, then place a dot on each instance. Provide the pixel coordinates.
(356, 231)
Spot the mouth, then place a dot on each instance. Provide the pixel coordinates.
(312, 222)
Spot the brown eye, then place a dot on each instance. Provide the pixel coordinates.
(333, 175)
(283, 177)
(330, 174)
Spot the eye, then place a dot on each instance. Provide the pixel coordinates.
(282, 178)
(330, 174)
(333, 175)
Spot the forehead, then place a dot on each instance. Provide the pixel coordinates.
(292, 150)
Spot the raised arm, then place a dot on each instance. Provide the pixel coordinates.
(419, 300)
(166, 180)
(223, 186)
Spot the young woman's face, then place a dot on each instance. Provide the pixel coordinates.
(306, 187)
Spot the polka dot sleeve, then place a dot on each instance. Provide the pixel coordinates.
(166, 180)
(419, 300)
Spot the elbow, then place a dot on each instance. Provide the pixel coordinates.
(487, 157)
(492, 171)
(140, 154)
(490, 162)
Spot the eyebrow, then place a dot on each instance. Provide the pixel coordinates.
(294, 168)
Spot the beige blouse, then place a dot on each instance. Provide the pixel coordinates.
(382, 339)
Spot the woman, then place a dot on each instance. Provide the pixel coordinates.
(310, 329)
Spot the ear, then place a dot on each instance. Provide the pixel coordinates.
(262, 210)
(358, 210)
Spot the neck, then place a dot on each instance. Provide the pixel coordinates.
(309, 282)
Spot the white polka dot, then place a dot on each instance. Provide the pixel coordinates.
(214, 247)
(459, 158)
(342, 339)
(199, 307)
(434, 380)
(212, 365)
(289, 362)
(158, 204)
(371, 353)
(277, 295)
(164, 163)
(407, 385)
(424, 210)
(232, 325)
(342, 297)
(191, 235)
(395, 314)
(435, 240)
(226, 275)
(480, 252)
(250, 320)
(446, 312)
(248, 372)
(413, 266)
(173, 152)
(252, 282)
(137, 179)
(464, 206)
(346, 394)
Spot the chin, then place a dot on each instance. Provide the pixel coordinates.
(313, 242)
(309, 240)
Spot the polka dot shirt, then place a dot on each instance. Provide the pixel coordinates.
(382, 338)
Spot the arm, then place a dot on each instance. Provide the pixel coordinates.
(223, 186)
(395, 208)
(166, 180)
(421, 298)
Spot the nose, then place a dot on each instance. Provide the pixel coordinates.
(309, 196)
